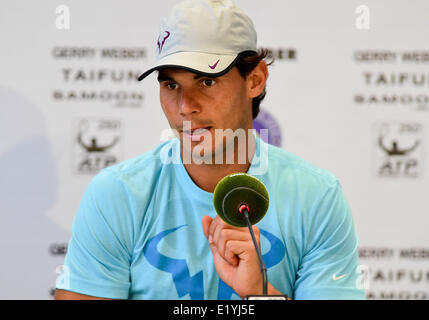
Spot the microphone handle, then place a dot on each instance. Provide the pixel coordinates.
(258, 252)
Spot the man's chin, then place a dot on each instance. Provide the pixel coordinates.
(200, 152)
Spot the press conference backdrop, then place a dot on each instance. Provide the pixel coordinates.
(349, 92)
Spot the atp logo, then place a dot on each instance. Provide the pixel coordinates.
(97, 144)
(399, 150)
(194, 285)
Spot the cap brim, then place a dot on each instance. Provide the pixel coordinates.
(211, 65)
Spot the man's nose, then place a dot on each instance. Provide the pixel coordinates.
(188, 104)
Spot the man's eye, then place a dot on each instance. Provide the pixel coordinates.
(171, 85)
(209, 82)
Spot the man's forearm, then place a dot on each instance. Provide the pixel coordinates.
(273, 291)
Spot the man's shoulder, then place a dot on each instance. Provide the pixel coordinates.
(135, 173)
(144, 164)
(294, 166)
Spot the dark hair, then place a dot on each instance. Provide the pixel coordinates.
(245, 66)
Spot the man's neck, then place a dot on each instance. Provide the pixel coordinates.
(206, 176)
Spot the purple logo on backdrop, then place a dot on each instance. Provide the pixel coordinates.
(161, 44)
(264, 120)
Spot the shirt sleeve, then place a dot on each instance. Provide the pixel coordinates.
(98, 257)
(329, 267)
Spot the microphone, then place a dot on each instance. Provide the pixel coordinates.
(235, 190)
(242, 200)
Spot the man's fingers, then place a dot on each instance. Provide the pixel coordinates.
(206, 221)
(257, 233)
(214, 223)
(228, 242)
(236, 250)
(222, 236)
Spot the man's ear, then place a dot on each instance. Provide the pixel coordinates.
(257, 79)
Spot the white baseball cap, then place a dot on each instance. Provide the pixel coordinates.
(205, 37)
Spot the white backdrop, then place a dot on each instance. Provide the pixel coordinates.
(348, 92)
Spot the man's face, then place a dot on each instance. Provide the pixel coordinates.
(208, 103)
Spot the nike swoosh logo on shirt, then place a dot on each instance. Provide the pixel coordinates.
(335, 278)
(215, 65)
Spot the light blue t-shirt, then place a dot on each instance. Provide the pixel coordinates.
(138, 234)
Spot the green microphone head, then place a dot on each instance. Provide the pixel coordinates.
(235, 190)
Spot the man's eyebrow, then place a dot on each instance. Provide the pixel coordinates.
(162, 77)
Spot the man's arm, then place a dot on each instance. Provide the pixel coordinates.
(329, 267)
(68, 295)
(99, 251)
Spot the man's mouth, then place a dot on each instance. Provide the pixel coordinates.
(196, 134)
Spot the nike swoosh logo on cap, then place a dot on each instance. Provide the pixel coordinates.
(214, 66)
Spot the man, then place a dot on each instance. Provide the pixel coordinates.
(147, 229)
